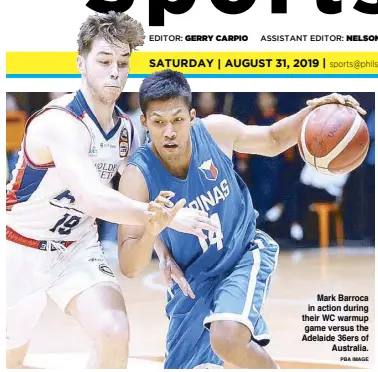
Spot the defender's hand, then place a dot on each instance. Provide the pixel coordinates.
(161, 212)
(346, 100)
(193, 221)
(171, 273)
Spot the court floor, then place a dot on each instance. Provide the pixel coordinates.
(301, 275)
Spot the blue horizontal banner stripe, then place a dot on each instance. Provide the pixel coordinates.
(207, 76)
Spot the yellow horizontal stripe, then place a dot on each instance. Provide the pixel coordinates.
(280, 63)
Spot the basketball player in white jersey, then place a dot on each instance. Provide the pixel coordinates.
(71, 150)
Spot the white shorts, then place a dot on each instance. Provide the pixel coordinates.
(34, 274)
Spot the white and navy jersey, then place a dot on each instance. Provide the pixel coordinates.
(39, 204)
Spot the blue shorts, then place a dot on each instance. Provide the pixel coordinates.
(237, 296)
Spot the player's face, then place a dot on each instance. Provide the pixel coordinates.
(169, 125)
(105, 69)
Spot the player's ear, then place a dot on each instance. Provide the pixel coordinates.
(143, 121)
(192, 114)
(80, 64)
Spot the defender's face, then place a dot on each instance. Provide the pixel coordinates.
(169, 125)
(106, 68)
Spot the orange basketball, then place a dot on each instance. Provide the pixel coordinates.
(334, 139)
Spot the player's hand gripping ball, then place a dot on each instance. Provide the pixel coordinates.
(334, 138)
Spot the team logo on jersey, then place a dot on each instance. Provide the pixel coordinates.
(123, 143)
(209, 170)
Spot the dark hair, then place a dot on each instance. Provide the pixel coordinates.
(112, 27)
(162, 86)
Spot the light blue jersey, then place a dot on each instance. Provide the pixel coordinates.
(212, 186)
(230, 272)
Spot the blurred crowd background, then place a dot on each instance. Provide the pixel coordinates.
(298, 206)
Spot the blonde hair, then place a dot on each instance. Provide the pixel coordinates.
(112, 27)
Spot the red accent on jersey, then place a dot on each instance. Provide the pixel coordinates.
(15, 237)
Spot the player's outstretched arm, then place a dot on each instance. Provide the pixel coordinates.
(135, 243)
(232, 135)
(171, 271)
(57, 136)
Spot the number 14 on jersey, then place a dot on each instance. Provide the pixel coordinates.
(213, 237)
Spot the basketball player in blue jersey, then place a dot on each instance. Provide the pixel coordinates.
(71, 150)
(228, 270)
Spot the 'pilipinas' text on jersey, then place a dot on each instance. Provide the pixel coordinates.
(212, 186)
(39, 204)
